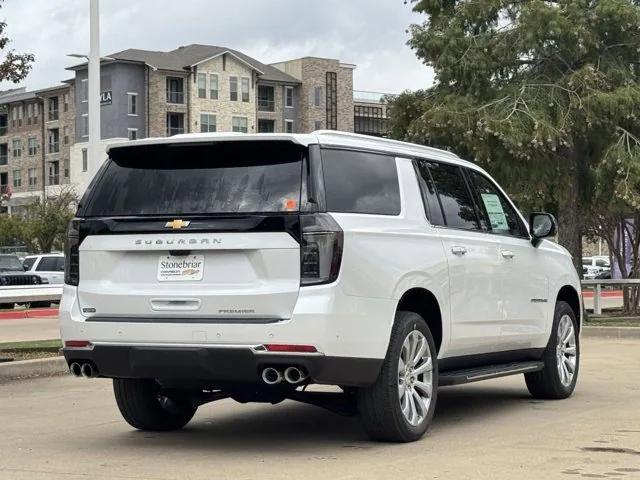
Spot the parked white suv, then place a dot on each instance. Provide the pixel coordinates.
(208, 266)
(47, 265)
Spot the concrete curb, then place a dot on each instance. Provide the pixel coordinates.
(39, 367)
(611, 332)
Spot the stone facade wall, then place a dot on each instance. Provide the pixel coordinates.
(312, 72)
(66, 128)
(222, 107)
(158, 107)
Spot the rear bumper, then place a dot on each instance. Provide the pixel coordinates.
(219, 365)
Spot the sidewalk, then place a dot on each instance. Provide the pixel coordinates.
(29, 329)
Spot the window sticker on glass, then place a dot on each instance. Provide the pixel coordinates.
(494, 209)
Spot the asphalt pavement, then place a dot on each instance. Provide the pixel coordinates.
(67, 428)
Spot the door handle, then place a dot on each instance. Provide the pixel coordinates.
(458, 250)
(508, 254)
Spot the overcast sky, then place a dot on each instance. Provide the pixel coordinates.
(369, 33)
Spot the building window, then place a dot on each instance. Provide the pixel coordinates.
(132, 99)
(29, 113)
(53, 109)
(175, 124)
(332, 101)
(317, 96)
(33, 178)
(16, 148)
(17, 178)
(288, 97)
(266, 98)
(175, 90)
(266, 126)
(84, 125)
(54, 173)
(85, 160)
(32, 144)
(213, 86)
(84, 90)
(133, 133)
(207, 123)
(4, 153)
(54, 140)
(65, 134)
(202, 85)
(65, 102)
(288, 126)
(233, 89)
(36, 112)
(317, 125)
(239, 124)
(246, 86)
(369, 120)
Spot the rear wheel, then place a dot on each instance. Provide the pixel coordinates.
(558, 378)
(399, 407)
(143, 406)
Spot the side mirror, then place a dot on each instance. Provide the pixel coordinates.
(542, 225)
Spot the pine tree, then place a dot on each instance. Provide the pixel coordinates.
(544, 94)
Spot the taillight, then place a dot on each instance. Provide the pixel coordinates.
(320, 250)
(72, 262)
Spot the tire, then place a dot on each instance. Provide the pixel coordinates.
(550, 382)
(140, 406)
(379, 405)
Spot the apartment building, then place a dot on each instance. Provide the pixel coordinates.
(36, 133)
(370, 113)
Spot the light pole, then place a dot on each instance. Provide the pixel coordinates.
(94, 154)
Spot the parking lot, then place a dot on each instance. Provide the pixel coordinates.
(61, 428)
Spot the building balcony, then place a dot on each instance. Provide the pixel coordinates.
(54, 180)
(171, 131)
(4, 159)
(54, 147)
(266, 105)
(53, 115)
(176, 97)
(4, 130)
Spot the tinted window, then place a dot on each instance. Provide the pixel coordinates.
(28, 263)
(454, 196)
(48, 264)
(10, 263)
(225, 177)
(497, 210)
(358, 182)
(434, 212)
(602, 263)
(586, 262)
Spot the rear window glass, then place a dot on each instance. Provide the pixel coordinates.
(359, 182)
(184, 179)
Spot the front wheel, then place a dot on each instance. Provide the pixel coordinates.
(558, 378)
(399, 406)
(141, 404)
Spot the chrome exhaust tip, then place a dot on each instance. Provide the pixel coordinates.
(88, 371)
(271, 376)
(294, 375)
(75, 369)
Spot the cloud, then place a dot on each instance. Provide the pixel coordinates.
(369, 33)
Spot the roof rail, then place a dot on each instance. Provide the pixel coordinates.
(382, 142)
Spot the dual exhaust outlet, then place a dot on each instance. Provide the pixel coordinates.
(85, 370)
(292, 375)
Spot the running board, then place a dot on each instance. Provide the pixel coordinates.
(458, 377)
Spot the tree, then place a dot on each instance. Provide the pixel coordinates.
(542, 93)
(15, 66)
(44, 225)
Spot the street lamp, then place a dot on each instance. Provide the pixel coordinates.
(94, 154)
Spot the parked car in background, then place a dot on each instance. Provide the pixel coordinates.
(12, 273)
(593, 267)
(48, 265)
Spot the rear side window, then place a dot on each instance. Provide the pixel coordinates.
(195, 179)
(360, 182)
(454, 196)
(48, 264)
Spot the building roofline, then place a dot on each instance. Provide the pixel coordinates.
(233, 55)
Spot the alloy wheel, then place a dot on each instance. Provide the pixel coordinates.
(566, 352)
(415, 378)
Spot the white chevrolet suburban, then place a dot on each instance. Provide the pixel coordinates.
(207, 266)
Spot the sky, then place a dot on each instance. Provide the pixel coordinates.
(369, 33)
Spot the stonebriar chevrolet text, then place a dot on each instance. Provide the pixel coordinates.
(203, 267)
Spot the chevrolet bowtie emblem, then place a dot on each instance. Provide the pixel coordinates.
(177, 224)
